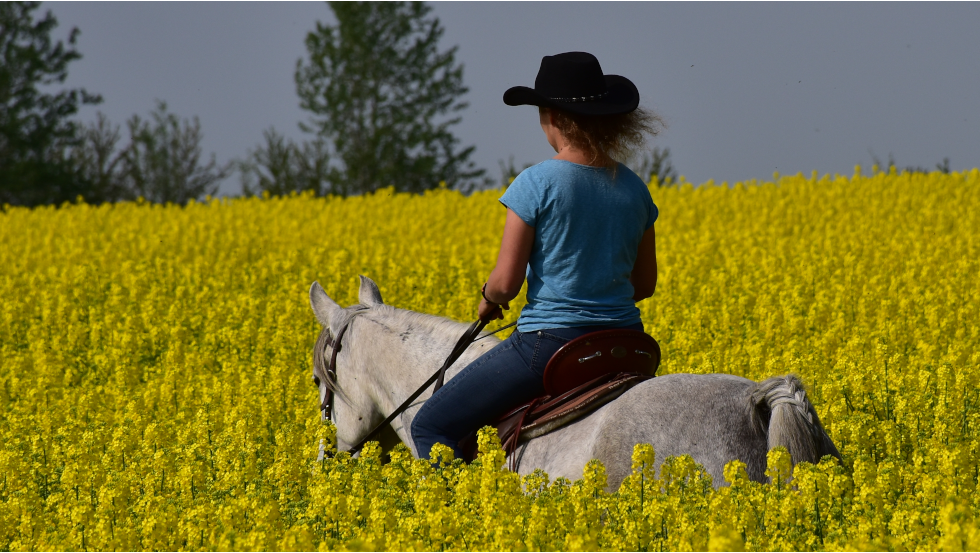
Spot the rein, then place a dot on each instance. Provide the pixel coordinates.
(464, 342)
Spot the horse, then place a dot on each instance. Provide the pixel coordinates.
(387, 353)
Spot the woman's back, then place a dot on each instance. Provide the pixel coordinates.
(579, 230)
(587, 228)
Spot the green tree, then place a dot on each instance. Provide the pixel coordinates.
(163, 160)
(36, 132)
(281, 166)
(99, 162)
(655, 162)
(384, 97)
(942, 167)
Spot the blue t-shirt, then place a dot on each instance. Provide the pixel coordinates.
(587, 228)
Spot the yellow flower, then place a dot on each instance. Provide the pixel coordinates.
(155, 370)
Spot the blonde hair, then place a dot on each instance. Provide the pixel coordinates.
(607, 138)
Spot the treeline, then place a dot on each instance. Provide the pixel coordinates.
(382, 99)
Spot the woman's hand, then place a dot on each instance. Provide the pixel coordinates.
(490, 311)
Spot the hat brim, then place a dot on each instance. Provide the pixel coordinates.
(621, 97)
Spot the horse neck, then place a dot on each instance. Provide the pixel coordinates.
(396, 351)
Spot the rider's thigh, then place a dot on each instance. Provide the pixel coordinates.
(493, 383)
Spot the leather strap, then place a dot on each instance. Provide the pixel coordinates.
(327, 404)
(464, 342)
(510, 446)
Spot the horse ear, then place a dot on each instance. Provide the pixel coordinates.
(324, 308)
(369, 294)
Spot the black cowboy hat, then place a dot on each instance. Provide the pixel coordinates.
(574, 82)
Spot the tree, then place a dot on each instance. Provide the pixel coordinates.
(161, 163)
(655, 163)
(36, 132)
(163, 160)
(941, 167)
(376, 85)
(281, 167)
(98, 162)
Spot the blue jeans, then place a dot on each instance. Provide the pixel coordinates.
(508, 375)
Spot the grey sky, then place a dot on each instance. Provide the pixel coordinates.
(746, 88)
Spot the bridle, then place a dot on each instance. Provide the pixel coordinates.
(326, 406)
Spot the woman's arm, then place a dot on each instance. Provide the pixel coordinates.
(507, 277)
(644, 275)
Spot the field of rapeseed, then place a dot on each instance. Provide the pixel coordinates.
(155, 369)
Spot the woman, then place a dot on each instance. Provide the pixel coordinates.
(579, 227)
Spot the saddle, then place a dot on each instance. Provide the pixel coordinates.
(583, 375)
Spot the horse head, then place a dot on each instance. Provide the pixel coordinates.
(351, 409)
(385, 355)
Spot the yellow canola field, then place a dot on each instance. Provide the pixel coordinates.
(155, 372)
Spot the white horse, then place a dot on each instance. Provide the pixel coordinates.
(387, 353)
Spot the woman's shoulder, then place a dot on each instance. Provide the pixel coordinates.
(559, 174)
(626, 175)
(558, 170)
(546, 168)
(541, 176)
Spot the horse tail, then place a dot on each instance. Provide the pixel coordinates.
(781, 410)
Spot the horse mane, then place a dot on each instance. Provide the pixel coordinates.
(433, 325)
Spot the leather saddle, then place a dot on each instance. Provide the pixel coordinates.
(583, 375)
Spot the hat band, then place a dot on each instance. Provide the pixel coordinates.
(580, 99)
